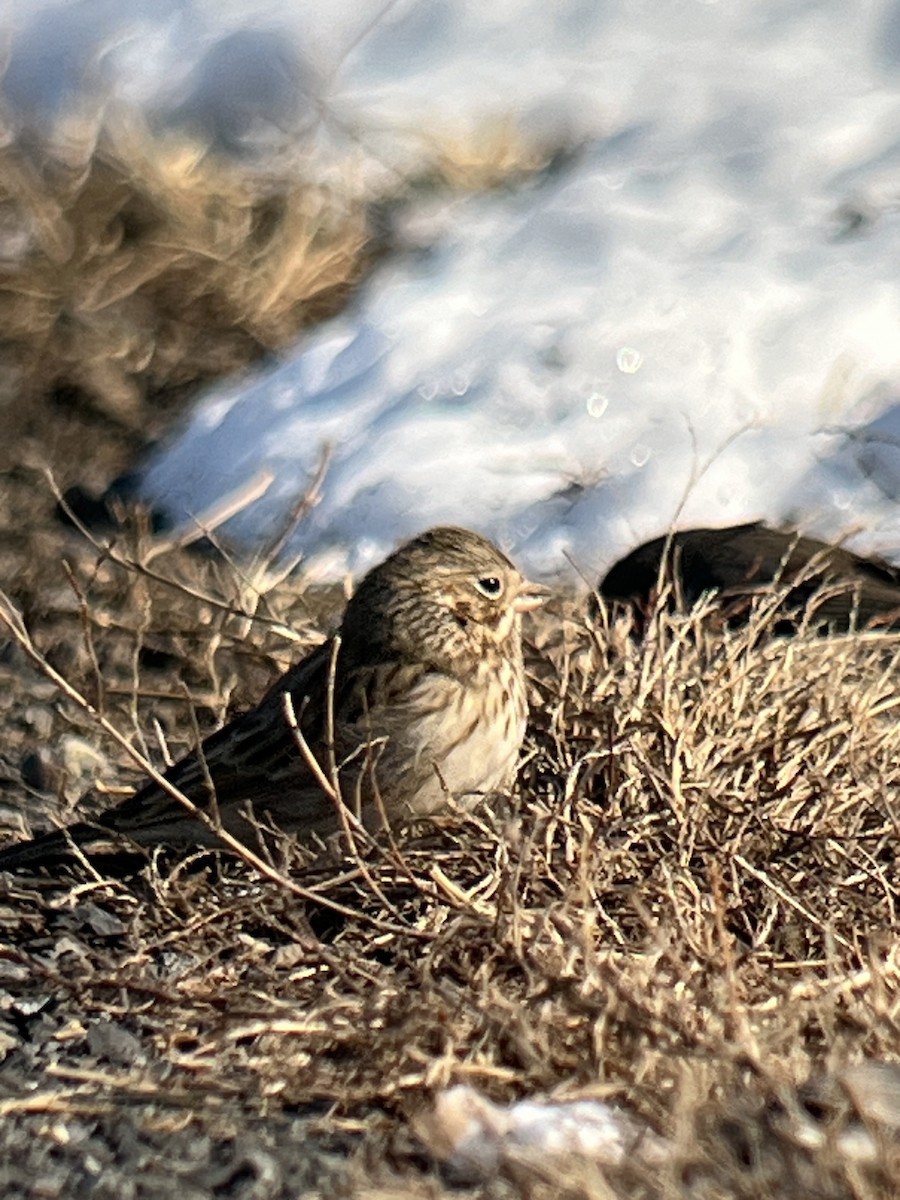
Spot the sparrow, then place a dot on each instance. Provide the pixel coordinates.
(417, 700)
(835, 586)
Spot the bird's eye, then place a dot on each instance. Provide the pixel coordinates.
(490, 586)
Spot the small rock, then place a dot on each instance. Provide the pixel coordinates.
(40, 721)
(8, 1039)
(98, 919)
(108, 1040)
(38, 770)
(80, 758)
(30, 1006)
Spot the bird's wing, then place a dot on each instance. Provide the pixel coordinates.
(254, 759)
(253, 756)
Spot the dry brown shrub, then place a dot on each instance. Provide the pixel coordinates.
(155, 266)
(689, 908)
(143, 266)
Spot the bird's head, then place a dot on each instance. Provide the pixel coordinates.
(448, 592)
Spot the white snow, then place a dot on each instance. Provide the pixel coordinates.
(475, 1137)
(678, 326)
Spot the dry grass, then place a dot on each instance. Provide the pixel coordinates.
(154, 267)
(148, 266)
(689, 908)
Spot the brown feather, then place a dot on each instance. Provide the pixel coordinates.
(429, 699)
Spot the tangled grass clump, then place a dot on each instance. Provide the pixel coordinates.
(688, 908)
(155, 267)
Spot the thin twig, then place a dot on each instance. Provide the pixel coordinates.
(109, 553)
(783, 894)
(13, 619)
(350, 823)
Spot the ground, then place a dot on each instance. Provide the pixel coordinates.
(687, 906)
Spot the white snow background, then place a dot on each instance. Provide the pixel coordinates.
(682, 324)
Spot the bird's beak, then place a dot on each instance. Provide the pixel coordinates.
(530, 596)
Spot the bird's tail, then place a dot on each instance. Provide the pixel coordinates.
(47, 849)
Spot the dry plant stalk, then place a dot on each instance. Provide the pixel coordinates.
(158, 267)
(691, 906)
